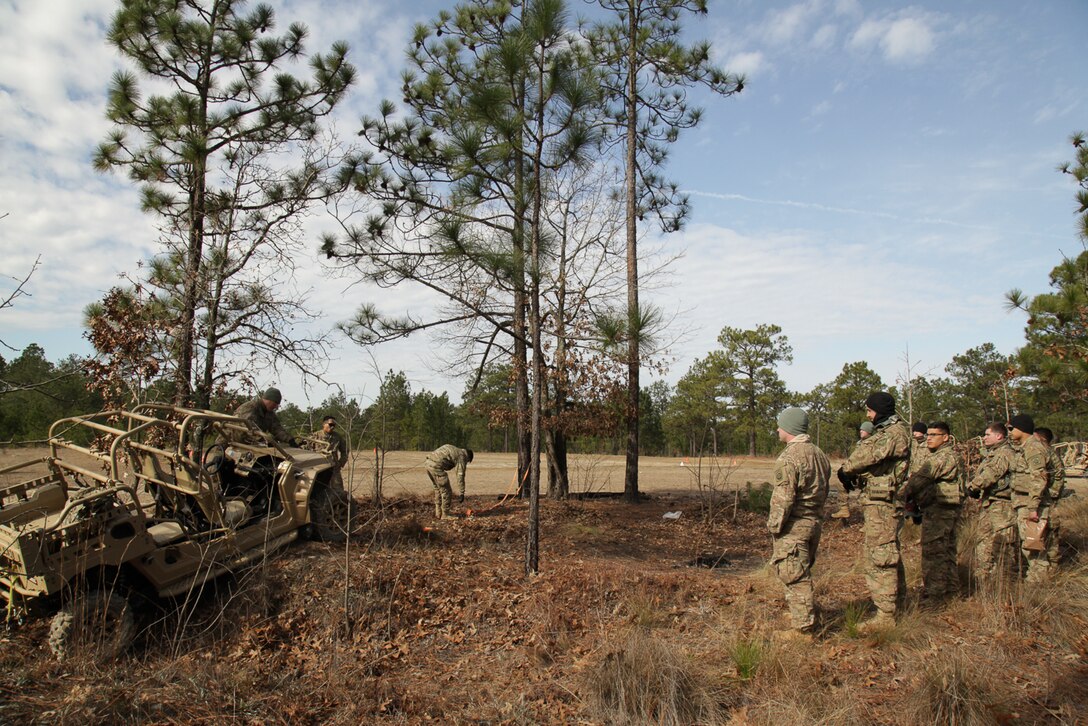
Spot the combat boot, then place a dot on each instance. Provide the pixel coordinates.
(880, 621)
(792, 635)
(842, 512)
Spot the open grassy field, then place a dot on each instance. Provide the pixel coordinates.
(494, 474)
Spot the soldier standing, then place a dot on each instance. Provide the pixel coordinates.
(440, 461)
(338, 446)
(936, 486)
(843, 512)
(997, 547)
(1031, 478)
(1057, 488)
(801, 476)
(261, 412)
(879, 467)
(918, 450)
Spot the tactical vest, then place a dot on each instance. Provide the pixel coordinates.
(883, 479)
(1003, 488)
(951, 492)
(1021, 475)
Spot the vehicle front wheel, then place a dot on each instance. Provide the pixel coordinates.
(330, 515)
(97, 624)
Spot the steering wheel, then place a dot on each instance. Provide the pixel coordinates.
(214, 458)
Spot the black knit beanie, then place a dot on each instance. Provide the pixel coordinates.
(882, 403)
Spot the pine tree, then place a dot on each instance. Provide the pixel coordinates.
(229, 101)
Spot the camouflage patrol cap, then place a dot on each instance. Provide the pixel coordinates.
(272, 394)
(793, 421)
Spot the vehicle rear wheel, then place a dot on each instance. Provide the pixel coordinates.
(97, 624)
(330, 515)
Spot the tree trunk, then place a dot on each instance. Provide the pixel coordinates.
(379, 467)
(630, 480)
(559, 483)
(186, 339)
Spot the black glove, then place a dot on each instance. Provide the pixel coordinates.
(974, 493)
(910, 509)
(849, 481)
(293, 442)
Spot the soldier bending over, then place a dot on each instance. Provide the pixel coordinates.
(440, 461)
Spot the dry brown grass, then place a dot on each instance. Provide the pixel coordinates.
(642, 678)
(951, 688)
(793, 686)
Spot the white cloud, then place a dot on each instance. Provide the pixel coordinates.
(908, 40)
(824, 37)
(749, 64)
(788, 25)
(902, 38)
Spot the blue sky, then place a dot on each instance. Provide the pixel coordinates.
(887, 175)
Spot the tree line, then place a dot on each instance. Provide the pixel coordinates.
(720, 407)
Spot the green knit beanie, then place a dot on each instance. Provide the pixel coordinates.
(273, 395)
(793, 421)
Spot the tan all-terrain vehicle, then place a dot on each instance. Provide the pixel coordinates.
(151, 502)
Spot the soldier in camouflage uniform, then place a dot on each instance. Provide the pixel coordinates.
(801, 476)
(261, 412)
(918, 449)
(997, 548)
(878, 466)
(843, 512)
(936, 486)
(1031, 480)
(337, 445)
(440, 461)
(1057, 488)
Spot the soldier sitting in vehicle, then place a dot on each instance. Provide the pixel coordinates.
(261, 412)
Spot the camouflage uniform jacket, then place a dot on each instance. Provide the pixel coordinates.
(267, 421)
(337, 445)
(1057, 471)
(994, 475)
(918, 453)
(801, 474)
(880, 462)
(448, 457)
(937, 480)
(1031, 473)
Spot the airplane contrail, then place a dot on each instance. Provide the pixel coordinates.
(860, 212)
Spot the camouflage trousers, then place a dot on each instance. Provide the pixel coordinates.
(939, 575)
(1054, 538)
(443, 494)
(1037, 564)
(336, 481)
(883, 564)
(997, 550)
(793, 555)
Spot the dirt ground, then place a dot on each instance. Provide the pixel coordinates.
(633, 618)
